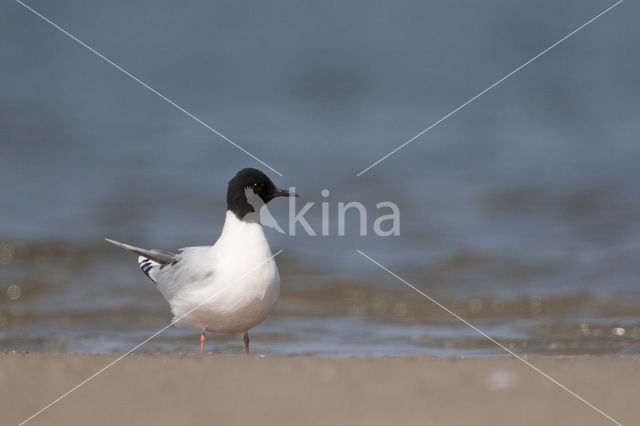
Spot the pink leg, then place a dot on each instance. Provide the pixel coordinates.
(246, 342)
(202, 340)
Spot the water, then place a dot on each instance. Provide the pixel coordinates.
(519, 212)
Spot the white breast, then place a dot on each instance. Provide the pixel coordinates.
(233, 285)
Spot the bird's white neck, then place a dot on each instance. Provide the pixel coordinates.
(243, 236)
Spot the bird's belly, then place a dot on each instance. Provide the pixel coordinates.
(230, 306)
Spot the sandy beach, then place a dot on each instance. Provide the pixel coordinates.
(228, 390)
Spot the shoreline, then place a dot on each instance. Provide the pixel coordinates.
(188, 389)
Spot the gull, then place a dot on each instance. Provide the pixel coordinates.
(231, 286)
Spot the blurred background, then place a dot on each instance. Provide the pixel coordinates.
(520, 212)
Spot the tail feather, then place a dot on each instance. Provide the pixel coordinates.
(161, 257)
(148, 266)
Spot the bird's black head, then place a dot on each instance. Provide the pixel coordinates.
(256, 182)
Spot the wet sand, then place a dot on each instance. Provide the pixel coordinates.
(174, 389)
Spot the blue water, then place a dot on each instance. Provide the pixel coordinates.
(528, 195)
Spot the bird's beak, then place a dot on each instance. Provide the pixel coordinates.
(284, 193)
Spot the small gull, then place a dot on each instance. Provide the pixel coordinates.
(231, 286)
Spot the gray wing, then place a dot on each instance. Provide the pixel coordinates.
(159, 256)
